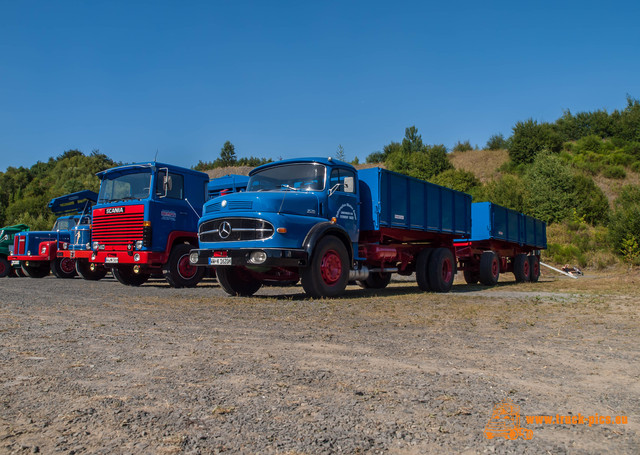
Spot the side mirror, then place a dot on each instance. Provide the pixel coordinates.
(348, 184)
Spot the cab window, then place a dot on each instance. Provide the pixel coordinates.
(338, 177)
(175, 185)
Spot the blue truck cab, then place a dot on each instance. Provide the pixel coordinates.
(145, 223)
(36, 251)
(321, 221)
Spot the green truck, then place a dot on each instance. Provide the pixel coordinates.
(6, 248)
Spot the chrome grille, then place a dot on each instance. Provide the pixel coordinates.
(235, 230)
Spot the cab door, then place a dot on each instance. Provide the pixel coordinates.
(343, 201)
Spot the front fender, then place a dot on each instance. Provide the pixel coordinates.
(326, 228)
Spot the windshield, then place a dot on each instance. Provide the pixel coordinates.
(64, 224)
(304, 177)
(124, 187)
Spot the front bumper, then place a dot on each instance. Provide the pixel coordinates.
(113, 258)
(276, 257)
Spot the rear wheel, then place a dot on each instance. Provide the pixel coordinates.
(442, 269)
(125, 275)
(534, 267)
(470, 277)
(35, 269)
(422, 269)
(376, 280)
(63, 267)
(5, 267)
(328, 271)
(237, 281)
(179, 271)
(489, 268)
(90, 271)
(521, 268)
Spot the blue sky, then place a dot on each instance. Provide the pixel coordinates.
(287, 79)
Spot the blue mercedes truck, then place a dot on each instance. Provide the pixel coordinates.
(320, 221)
(145, 223)
(36, 251)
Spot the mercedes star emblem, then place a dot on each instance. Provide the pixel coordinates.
(224, 230)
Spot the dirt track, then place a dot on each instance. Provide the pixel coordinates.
(97, 367)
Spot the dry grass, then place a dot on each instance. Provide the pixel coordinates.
(483, 163)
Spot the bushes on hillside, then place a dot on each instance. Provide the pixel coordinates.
(457, 179)
(530, 138)
(625, 219)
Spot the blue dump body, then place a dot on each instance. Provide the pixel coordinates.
(232, 183)
(391, 200)
(492, 221)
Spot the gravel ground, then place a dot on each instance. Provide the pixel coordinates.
(97, 367)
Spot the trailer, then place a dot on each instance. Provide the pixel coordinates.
(320, 221)
(36, 251)
(502, 240)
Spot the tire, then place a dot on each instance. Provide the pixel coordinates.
(178, 270)
(422, 269)
(237, 281)
(5, 267)
(376, 280)
(521, 269)
(471, 277)
(63, 267)
(534, 267)
(90, 271)
(489, 268)
(36, 271)
(125, 275)
(442, 270)
(328, 271)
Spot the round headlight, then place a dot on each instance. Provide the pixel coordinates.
(136, 257)
(138, 244)
(258, 257)
(193, 257)
(95, 245)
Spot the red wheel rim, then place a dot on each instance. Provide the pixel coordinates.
(331, 267)
(185, 269)
(495, 267)
(447, 270)
(67, 265)
(525, 267)
(536, 268)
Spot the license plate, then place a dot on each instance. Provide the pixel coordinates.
(110, 260)
(219, 261)
(15, 262)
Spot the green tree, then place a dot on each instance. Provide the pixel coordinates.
(551, 188)
(228, 154)
(340, 153)
(496, 142)
(530, 138)
(457, 179)
(462, 146)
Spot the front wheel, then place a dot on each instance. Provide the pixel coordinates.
(5, 267)
(36, 269)
(90, 271)
(63, 267)
(328, 271)
(125, 275)
(237, 281)
(179, 271)
(376, 280)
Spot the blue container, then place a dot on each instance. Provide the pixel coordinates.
(392, 200)
(492, 221)
(231, 183)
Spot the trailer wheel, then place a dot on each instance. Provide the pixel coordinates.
(5, 267)
(90, 271)
(534, 267)
(237, 281)
(489, 268)
(36, 271)
(179, 271)
(328, 271)
(422, 269)
(521, 268)
(63, 267)
(442, 270)
(125, 275)
(376, 280)
(470, 277)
